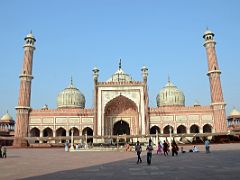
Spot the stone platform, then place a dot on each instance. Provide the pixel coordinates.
(222, 163)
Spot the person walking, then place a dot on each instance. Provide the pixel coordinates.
(4, 152)
(66, 146)
(174, 148)
(165, 148)
(138, 149)
(149, 152)
(207, 147)
(159, 148)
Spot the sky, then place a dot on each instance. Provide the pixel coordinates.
(73, 36)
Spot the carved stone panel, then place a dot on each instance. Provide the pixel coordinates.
(61, 120)
(207, 118)
(167, 119)
(47, 120)
(87, 120)
(181, 119)
(74, 120)
(35, 121)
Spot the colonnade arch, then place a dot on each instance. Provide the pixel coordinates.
(88, 132)
(75, 131)
(47, 132)
(181, 129)
(194, 128)
(207, 128)
(154, 130)
(35, 132)
(166, 129)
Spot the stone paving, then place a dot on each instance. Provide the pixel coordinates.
(222, 163)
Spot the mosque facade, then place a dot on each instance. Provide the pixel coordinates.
(120, 105)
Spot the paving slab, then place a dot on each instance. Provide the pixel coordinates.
(222, 163)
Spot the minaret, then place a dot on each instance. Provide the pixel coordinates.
(95, 78)
(145, 75)
(23, 108)
(217, 101)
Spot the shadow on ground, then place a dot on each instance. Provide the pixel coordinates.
(219, 165)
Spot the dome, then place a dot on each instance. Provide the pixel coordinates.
(208, 32)
(6, 117)
(71, 97)
(234, 112)
(30, 35)
(170, 95)
(120, 76)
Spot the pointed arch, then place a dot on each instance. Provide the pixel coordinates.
(61, 132)
(47, 132)
(207, 128)
(181, 129)
(125, 104)
(154, 130)
(75, 131)
(35, 132)
(120, 108)
(87, 131)
(166, 129)
(194, 128)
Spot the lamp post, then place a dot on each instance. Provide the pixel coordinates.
(170, 136)
(86, 145)
(72, 148)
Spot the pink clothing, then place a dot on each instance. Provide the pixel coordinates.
(159, 149)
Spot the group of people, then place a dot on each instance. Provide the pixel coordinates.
(138, 149)
(165, 148)
(3, 152)
(161, 148)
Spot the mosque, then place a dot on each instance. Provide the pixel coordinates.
(121, 106)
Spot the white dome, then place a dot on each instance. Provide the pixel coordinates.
(71, 97)
(120, 76)
(234, 112)
(170, 95)
(7, 117)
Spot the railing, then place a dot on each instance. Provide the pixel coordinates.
(122, 136)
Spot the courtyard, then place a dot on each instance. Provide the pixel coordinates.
(35, 163)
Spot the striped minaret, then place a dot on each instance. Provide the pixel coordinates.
(218, 105)
(23, 108)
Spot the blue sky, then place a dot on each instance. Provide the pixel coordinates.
(73, 36)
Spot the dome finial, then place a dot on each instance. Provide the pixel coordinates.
(120, 64)
(169, 79)
(71, 81)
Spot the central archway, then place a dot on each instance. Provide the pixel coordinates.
(120, 128)
(121, 117)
